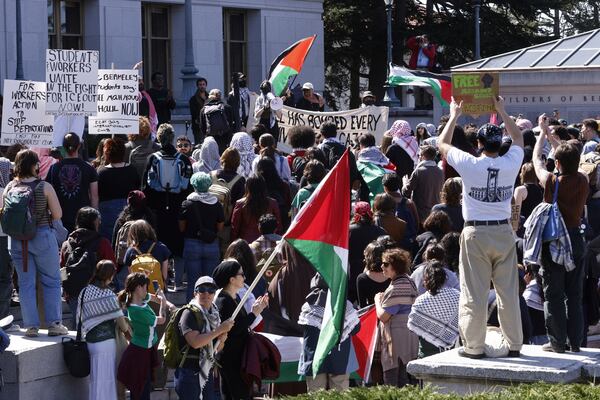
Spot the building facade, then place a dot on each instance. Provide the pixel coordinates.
(226, 36)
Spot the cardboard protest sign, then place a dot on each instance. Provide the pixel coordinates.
(350, 124)
(24, 118)
(64, 124)
(117, 103)
(72, 81)
(477, 91)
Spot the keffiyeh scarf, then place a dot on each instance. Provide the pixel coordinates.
(99, 305)
(211, 321)
(435, 318)
(4, 172)
(373, 155)
(244, 144)
(401, 135)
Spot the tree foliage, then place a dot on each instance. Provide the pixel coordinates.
(355, 34)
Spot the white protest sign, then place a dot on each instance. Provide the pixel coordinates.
(64, 124)
(350, 124)
(117, 103)
(72, 81)
(24, 118)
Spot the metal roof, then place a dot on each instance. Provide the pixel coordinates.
(577, 51)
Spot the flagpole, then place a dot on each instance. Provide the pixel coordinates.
(253, 285)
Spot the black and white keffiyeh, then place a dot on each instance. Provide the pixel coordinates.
(99, 305)
(435, 318)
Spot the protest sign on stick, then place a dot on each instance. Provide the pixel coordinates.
(117, 103)
(72, 81)
(350, 124)
(24, 118)
(477, 91)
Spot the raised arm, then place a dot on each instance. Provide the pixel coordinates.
(538, 163)
(511, 127)
(445, 139)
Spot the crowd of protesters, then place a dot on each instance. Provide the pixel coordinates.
(458, 229)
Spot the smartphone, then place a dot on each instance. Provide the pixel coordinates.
(156, 287)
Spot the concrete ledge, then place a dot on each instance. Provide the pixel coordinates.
(450, 373)
(33, 368)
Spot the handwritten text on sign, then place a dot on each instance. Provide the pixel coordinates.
(24, 118)
(350, 124)
(117, 103)
(72, 81)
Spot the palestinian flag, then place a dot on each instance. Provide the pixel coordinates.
(440, 84)
(373, 175)
(365, 340)
(288, 64)
(320, 233)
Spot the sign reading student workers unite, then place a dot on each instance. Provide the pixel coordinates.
(350, 124)
(24, 118)
(72, 81)
(117, 102)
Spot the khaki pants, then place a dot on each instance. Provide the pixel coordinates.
(327, 381)
(488, 254)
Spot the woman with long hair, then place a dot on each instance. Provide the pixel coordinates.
(450, 198)
(277, 188)
(115, 180)
(100, 313)
(39, 255)
(247, 211)
(140, 357)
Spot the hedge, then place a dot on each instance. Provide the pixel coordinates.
(539, 391)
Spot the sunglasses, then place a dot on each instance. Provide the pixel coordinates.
(206, 289)
(241, 274)
(183, 145)
(385, 264)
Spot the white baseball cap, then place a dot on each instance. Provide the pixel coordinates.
(307, 85)
(205, 280)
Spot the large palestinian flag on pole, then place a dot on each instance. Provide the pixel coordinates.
(320, 233)
(441, 85)
(288, 64)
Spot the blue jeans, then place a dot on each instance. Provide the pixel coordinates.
(200, 260)
(187, 386)
(43, 260)
(109, 211)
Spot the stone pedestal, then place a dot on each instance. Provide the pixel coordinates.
(33, 368)
(449, 373)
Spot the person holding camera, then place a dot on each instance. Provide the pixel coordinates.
(422, 54)
(200, 219)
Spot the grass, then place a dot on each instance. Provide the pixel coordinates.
(538, 391)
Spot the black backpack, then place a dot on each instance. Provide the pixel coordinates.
(298, 165)
(216, 120)
(333, 152)
(80, 265)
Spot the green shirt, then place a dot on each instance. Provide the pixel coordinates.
(303, 195)
(143, 322)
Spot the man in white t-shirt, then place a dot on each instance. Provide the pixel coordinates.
(487, 243)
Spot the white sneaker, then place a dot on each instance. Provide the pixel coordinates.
(13, 328)
(57, 329)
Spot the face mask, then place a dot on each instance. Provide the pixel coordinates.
(243, 83)
(369, 102)
(264, 90)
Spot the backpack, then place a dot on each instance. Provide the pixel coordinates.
(139, 157)
(121, 242)
(589, 165)
(146, 263)
(333, 152)
(168, 173)
(216, 120)
(404, 212)
(273, 268)
(298, 165)
(221, 189)
(173, 355)
(18, 217)
(79, 266)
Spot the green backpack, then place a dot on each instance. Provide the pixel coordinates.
(18, 214)
(174, 356)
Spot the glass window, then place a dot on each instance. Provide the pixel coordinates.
(65, 24)
(235, 43)
(156, 42)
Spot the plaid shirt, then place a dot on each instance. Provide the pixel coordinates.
(560, 249)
